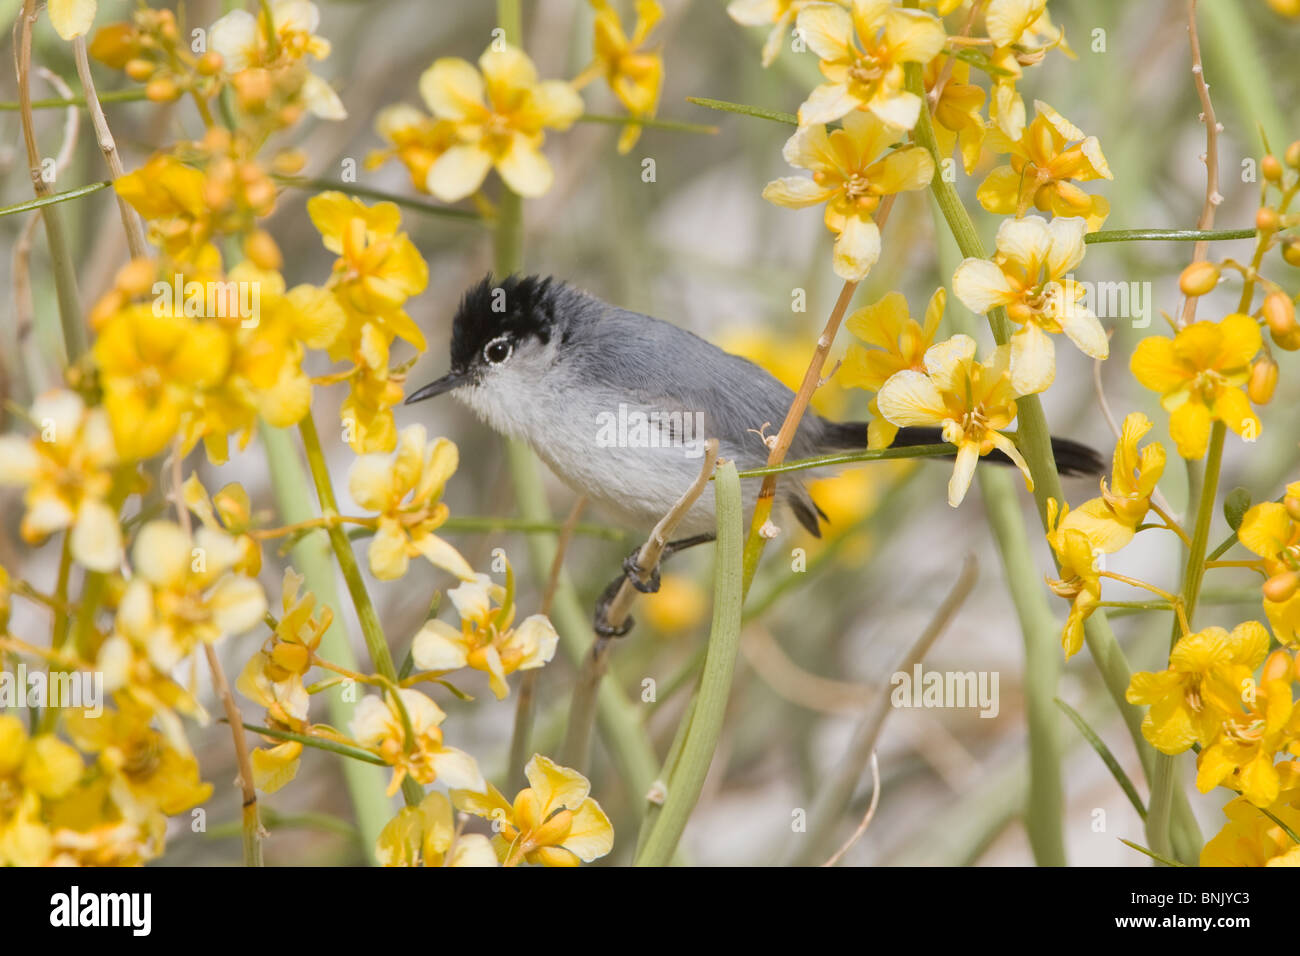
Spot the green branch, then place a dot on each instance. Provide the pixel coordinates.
(53, 198)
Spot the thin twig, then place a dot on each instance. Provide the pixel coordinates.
(130, 221)
(252, 826)
(526, 705)
(582, 708)
(866, 820)
(1212, 195)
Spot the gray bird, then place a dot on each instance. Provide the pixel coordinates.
(618, 404)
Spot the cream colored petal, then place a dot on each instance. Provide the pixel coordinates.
(795, 192)
(913, 35)
(1033, 360)
(524, 168)
(538, 637)
(947, 362)
(1084, 330)
(370, 721)
(857, 248)
(910, 398)
(234, 36)
(1067, 246)
(58, 415)
(901, 109)
(962, 472)
(388, 556)
(981, 285)
(827, 103)
(424, 713)
(321, 99)
(473, 598)
(370, 482)
(442, 555)
(162, 552)
(556, 104)
(237, 604)
(47, 512)
(20, 463)
(72, 18)
(508, 68)
(1008, 448)
(1026, 241)
(439, 647)
(473, 849)
(453, 89)
(496, 672)
(458, 172)
(457, 770)
(754, 13)
(97, 537)
(827, 29)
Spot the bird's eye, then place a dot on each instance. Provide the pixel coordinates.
(497, 351)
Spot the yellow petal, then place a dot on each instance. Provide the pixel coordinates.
(459, 172)
(556, 786)
(72, 18)
(453, 89)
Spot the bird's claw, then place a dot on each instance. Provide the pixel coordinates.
(636, 575)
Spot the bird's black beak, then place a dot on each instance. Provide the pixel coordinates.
(452, 380)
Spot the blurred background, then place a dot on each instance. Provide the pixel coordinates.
(700, 248)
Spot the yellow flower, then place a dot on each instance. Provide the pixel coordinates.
(156, 776)
(274, 675)
(485, 641)
(1046, 160)
(1199, 374)
(379, 724)
(1029, 276)
(862, 55)
(634, 74)
(426, 836)
(72, 18)
(554, 821)
(1242, 756)
(184, 593)
(1250, 838)
(500, 115)
(851, 172)
(1022, 33)
(241, 39)
(414, 138)
(153, 369)
(898, 342)
(1080, 580)
(778, 14)
(367, 412)
(971, 401)
(66, 471)
(1111, 520)
(1269, 530)
(32, 770)
(418, 470)
(1201, 688)
(171, 198)
(228, 510)
(378, 269)
(957, 114)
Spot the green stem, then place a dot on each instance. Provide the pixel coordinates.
(54, 198)
(311, 557)
(649, 122)
(687, 780)
(875, 454)
(1164, 782)
(1234, 55)
(511, 20)
(378, 195)
(761, 112)
(371, 628)
(112, 96)
(1166, 235)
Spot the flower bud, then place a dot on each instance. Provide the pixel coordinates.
(1291, 251)
(162, 89)
(1267, 219)
(1198, 278)
(1279, 313)
(137, 276)
(1292, 505)
(1263, 381)
(261, 249)
(210, 63)
(139, 70)
(1277, 667)
(1281, 587)
(1292, 154)
(1271, 168)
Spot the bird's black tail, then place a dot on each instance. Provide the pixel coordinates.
(1072, 457)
